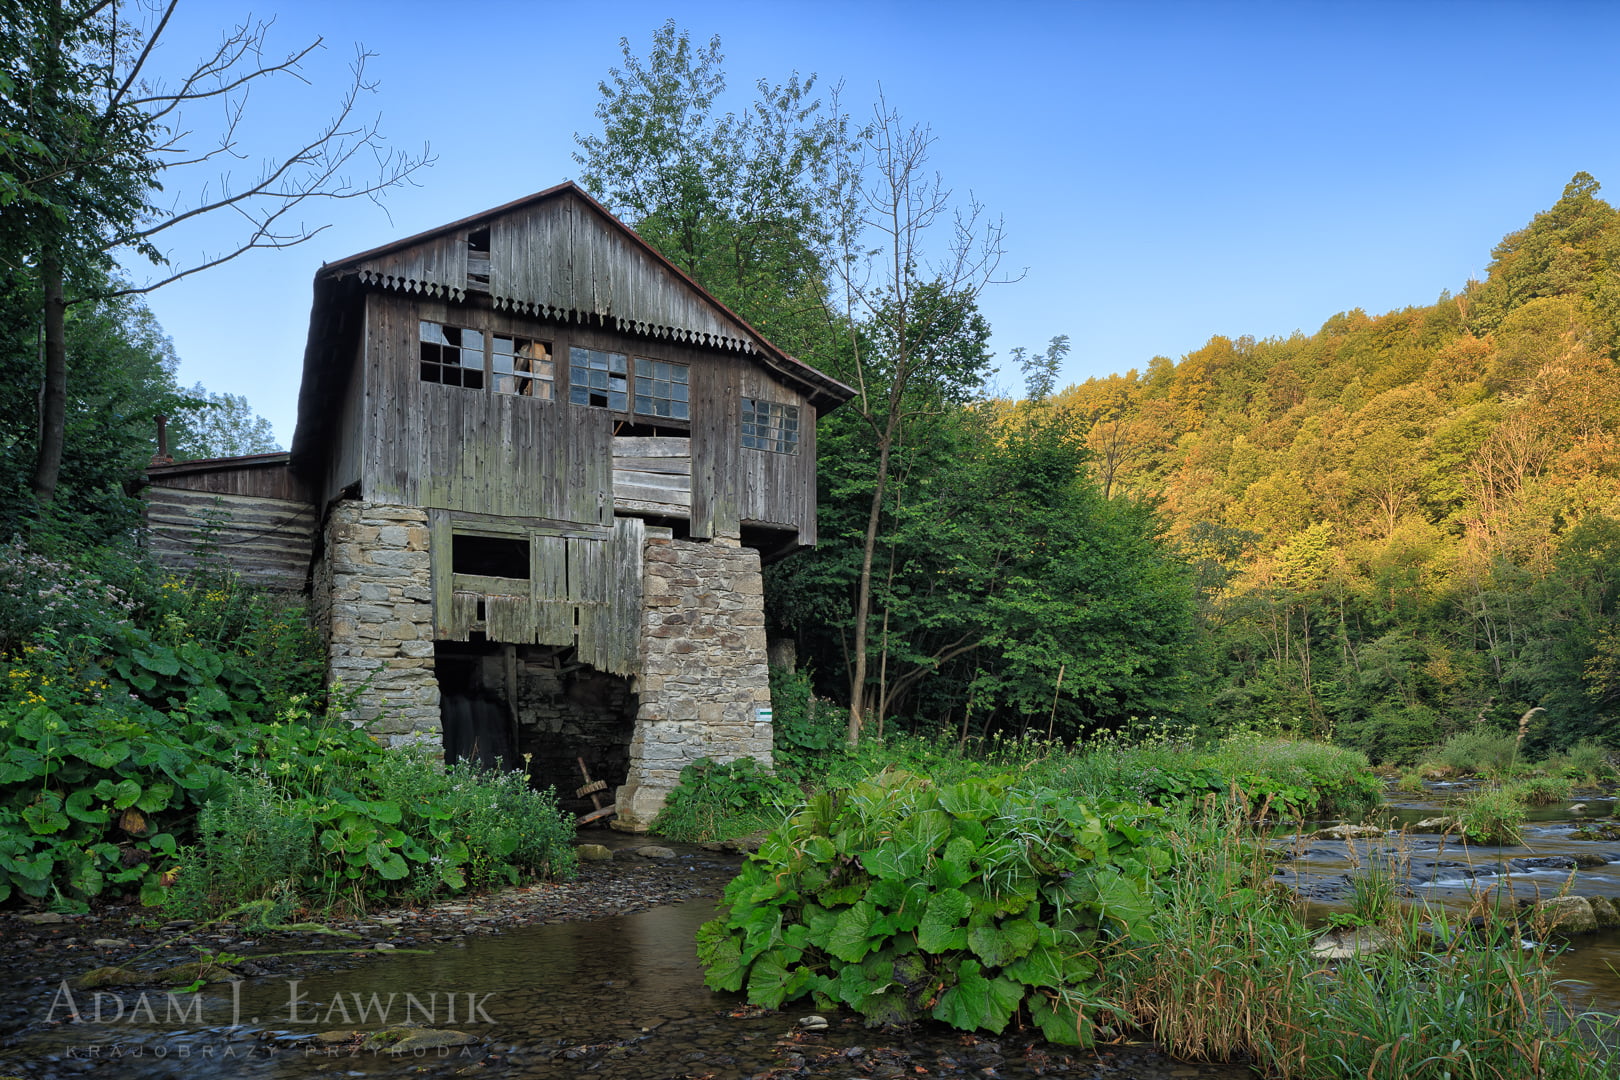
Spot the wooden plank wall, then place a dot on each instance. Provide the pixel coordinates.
(467, 450)
(775, 488)
(583, 589)
(652, 475)
(267, 540)
(343, 465)
(452, 448)
(561, 258)
(436, 267)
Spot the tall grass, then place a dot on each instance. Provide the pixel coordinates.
(1229, 976)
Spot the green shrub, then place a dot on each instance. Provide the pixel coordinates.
(1588, 761)
(1301, 777)
(965, 902)
(1411, 783)
(251, 841)
(720, 801)
(1492, 815)
(1543, 790)
(1478, 752)
(131, 727)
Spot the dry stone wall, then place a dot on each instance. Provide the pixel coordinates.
(704, 689)
(375, 590)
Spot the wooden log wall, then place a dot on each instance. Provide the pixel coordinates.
(267, 540)
(583, 588)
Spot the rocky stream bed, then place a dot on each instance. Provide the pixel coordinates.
(590, 978)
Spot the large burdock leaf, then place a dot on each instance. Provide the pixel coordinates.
(851, 936)
(999, 945)
(1060, 1022)
(771, 981)
(720, 952)
(941, 928)
(977, 1002)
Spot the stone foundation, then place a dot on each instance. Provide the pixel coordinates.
(374, 587)
(703, 675)
(700, 692)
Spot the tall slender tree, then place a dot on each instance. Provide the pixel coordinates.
(89, 135)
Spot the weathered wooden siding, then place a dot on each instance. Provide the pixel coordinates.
(267, 540)
(774, 488)
(456, 448)
(652, 476)
(343, 465)
(436, 267)
(560, 259)
(451, 448)
(583, 588)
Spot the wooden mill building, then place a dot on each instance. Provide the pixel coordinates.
(535, 471)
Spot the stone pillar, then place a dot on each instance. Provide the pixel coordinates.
(704, 679)
(376, 587)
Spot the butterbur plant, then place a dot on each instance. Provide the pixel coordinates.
(969, 903)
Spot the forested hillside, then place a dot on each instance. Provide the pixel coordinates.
(1405, 522)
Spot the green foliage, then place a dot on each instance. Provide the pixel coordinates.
(1492, 815)
(745, 202)
(1543, 790)
(1235, 980)
(1481, 1008)
(966, 902)
(1478, 752)
(723, 800)
(155, 728)
(803, 726)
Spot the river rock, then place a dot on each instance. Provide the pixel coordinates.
(1587, 861)
(44, 918)
(1347, 944)
(1566, 914)
(404, 1040)
(1346, 832)
(1605, 912)
(1578, 808)
(653, 851)
(1435, 824)
(813, 1023)
(594, 853)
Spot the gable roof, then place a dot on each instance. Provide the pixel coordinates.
(557, 254)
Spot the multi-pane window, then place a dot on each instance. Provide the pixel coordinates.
(456, 356)
(661, 389)
(598, 378)
(521, 366)
(452, 355)
(768, 425)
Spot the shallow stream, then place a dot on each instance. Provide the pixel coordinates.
(1462, 878)
(623, 997)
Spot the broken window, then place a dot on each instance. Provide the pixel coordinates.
(661, 389)
(598, 378)
(768, 425)
(489, 556)
(522, 367)
(451, 355)
(455, 356)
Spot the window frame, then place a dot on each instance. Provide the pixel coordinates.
(488, 378)
(631, 376)
(777, 433)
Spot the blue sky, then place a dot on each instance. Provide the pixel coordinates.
(1165, 171)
